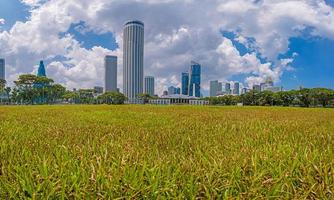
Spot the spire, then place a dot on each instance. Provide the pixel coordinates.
(41, 69)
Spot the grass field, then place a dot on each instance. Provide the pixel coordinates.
(153, 152)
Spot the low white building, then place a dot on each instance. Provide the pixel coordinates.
(178, 99)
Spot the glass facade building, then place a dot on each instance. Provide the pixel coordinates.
(228, 88)
(149, 85)
(214, 88)
(236, 88)
(41, 69)
(185, 83)
(2, 69)
(110, 73)
(173, 90)
(195, 80)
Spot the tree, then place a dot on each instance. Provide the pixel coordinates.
(25, 88)
(305, 97)
(112, 98)
(145, 97)
(284, 98)
(323, 95)
(56, 92)
(250, 98)
(2, 84)
(2, 87)
(71, 97)
(8, 90)
(266, 98)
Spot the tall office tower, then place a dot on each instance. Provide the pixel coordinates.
(41, 69)
(195, 79)
(172, 90)
(257, 88)
(236, 88)
(244, 90)
(98, 90)
(178, 90)
(220, 87)
(185, 83)
(228, 88)
(262, 87)
(110, 73)
(214, 88)
(133, 59)
(269, 82)
(149, 85)
(2, 69)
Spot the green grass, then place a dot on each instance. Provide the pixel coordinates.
(155, 152)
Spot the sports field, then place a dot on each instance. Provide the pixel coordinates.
(158, 152)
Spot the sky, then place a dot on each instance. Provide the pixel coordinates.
(291, 41)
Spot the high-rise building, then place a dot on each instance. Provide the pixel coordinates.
(236, 88)
(262, 86)
(245, 90)
(214, 88)
(257, 88)
(41, 69)
(133, 59)
(178, 90)
(220, 87)
(195, 79)
(185, 83)
(110, 73)
(149, 85)
(173, 90)
(228, 88)
(98, 90)
(269, 82)
(2, 69)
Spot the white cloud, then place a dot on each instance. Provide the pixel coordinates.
(2, 21)
(176, 32)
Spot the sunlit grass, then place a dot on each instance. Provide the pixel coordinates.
(166, 152)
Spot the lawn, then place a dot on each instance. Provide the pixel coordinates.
(159, 152)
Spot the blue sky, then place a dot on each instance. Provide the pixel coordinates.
(312, 67)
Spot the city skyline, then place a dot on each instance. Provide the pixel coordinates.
(73, 50)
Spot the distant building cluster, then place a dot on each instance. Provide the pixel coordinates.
(216, 88)
(219, 89)
(135, 83)
(190, 82)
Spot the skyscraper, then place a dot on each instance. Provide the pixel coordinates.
(110, 73)
(133, 59)
(220, 87)
(185, 83)
(149, 85)
(236, 88)
(41, 69)
(257, 88)
(2, 69)
(228, 88)
(173, 90)
(195, 79)
(214, 88)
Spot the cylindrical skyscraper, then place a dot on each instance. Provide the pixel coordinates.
(110, 80)
(133, 59)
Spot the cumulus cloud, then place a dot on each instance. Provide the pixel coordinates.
(2, 21)
(176, 32)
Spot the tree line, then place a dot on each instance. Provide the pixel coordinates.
(33, 90)
(305, 97)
